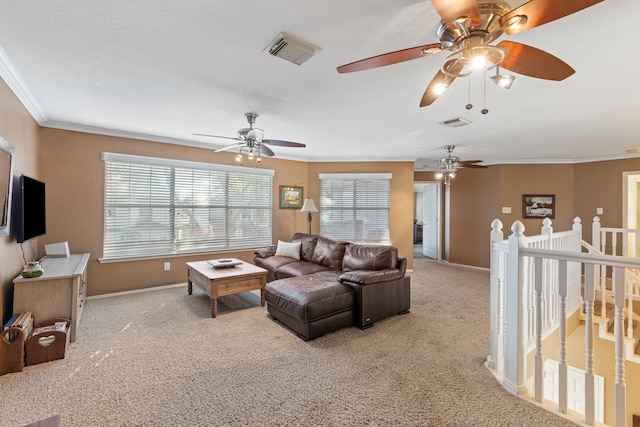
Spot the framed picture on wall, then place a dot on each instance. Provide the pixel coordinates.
(538, 206)
(290, 197)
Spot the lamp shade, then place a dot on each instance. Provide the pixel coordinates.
(309, 205)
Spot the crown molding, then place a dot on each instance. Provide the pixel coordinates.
(10, 75)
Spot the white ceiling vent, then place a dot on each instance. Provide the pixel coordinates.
(291, 49)
(456, 123)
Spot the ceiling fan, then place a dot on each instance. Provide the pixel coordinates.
(468, 27)
(449, 165)
(251, 141)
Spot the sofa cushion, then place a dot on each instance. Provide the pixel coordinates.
(369, 257)
(329, 253)
(310, 297)
(291, 250)
(273, 263)
(299, 268)
(308, 244)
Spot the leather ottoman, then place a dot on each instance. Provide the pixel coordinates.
(311, 305)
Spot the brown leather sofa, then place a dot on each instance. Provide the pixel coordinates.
(333, 284)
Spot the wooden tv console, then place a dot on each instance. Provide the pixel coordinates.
(59, 292)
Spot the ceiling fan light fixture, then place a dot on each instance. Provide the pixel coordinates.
(503, 80)
(515, 22)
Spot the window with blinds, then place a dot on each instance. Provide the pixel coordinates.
(355, 207)
(158, 207)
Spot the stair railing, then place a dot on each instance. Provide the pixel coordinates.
(624, 242)
(512, 282)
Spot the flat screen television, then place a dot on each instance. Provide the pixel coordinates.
(31, 221)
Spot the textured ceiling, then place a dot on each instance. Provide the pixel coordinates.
(164, 70)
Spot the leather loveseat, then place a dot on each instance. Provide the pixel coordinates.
(317, 285)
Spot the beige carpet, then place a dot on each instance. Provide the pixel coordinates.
(158, 359)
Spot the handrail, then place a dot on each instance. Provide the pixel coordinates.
(611, 260)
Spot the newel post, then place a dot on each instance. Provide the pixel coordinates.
(577, 225)
(595, 233)
(514, 343)
(494, 295)
(547, 228)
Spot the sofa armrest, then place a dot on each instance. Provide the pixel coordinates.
(265, 252)
(367, 277)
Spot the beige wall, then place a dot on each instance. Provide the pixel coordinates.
(599, 185)
(21, 131)
(476, 197)
(74, 173)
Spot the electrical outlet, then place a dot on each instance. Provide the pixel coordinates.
(167, 266)
(506, 210)
(599, 211)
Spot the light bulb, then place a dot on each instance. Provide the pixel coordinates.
(478, 62)
(239, 158)
(439, 89)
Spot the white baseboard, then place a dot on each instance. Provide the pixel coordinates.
(137, 291)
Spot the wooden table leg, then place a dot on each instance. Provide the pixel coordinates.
(214, 307)
(189, 287)
(262, 297)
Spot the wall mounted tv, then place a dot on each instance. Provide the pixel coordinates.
(31, 215)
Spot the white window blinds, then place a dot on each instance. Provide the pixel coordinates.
(355, 207)
(159, 206)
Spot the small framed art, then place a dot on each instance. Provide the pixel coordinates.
(290, 197)
(538, 206)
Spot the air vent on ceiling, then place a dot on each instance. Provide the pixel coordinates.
(291, 49)
(457, 122)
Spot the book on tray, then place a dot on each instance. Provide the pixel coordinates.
(224, 262)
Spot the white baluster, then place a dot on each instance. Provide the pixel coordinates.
(539, 361)
(628, 285)
(562, 394)
(619, 395)
(589, 377)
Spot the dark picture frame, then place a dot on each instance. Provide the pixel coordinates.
(290, 197)
(539, 206)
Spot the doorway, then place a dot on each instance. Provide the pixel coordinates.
(631, 208)
(427, 220)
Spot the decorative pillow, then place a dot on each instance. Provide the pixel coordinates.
(291, 250)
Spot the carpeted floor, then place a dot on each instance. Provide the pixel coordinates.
(158, 359)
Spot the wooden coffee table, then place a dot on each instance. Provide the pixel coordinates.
(218, 282)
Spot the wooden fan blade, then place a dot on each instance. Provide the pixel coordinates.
(282, 143)
(266, 150)
(389, 58)
(217, 136)
(450, 10)
(472, 164)
(539, 12)
(533, 62)
(226, 147)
